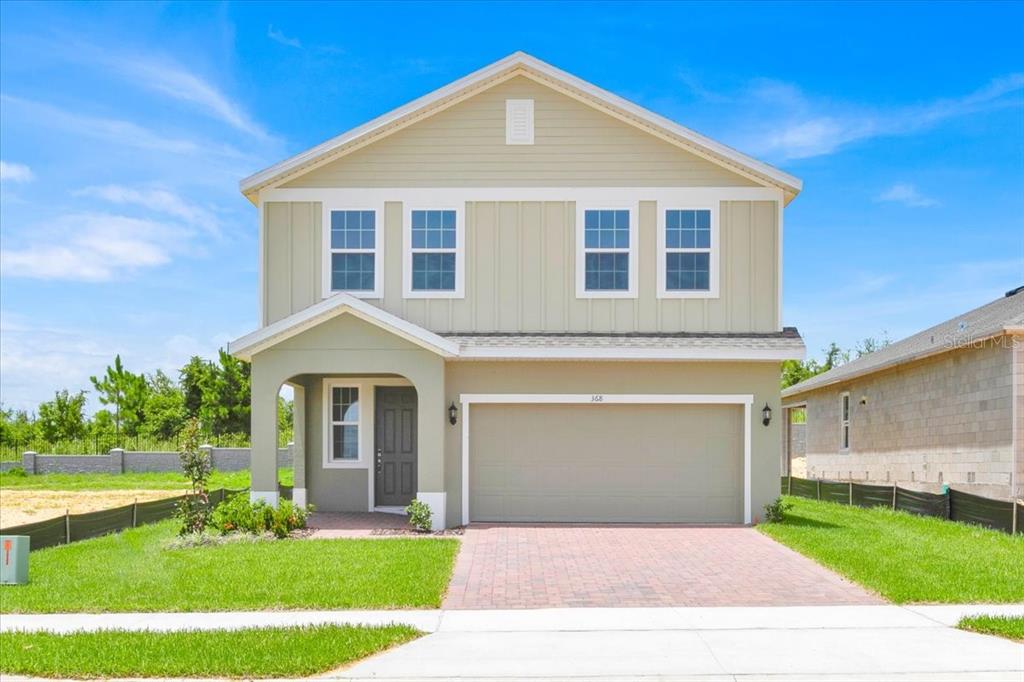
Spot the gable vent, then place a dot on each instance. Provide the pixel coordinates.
(519, 121)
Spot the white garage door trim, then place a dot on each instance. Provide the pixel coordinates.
(468, 399)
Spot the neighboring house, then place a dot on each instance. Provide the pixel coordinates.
(944, 406)
(523, 298)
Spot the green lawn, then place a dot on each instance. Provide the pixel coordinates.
(906, 558)
(128, 481)
(132, 571)
(264, 652)
(1010, 627)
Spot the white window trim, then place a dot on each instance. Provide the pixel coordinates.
(377, 251)
(746, 400)
(714, 260)
(362, 461)
(581, 251)
(844, 422)
(460, 250)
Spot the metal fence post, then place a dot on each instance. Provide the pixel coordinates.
(135, 513)
(819, 488)
(851, 493)
(894, 497)
(1013, 517)
(67, 526)
(789, 488)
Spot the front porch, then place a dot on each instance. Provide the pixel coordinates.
(369, 418)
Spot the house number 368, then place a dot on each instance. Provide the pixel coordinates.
(597, 398)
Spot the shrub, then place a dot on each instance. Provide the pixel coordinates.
(16, 472)
(239, 515)
(419, 515)
(776, 511)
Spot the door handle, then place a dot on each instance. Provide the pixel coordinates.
(380, 462)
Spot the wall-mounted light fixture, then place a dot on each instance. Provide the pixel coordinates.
(766, 415)
(453, 413)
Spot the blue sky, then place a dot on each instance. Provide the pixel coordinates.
(124, 130)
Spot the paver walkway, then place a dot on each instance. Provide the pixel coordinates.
(505, 566)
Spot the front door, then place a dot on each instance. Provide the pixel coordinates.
(395, 446)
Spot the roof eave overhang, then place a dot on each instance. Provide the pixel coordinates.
(246, 347)
(520, 64)
(800, 389)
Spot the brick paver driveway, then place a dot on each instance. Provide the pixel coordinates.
(505, 566)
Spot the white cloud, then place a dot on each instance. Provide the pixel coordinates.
(908, 195)
(15, 172)
(93, 247)
(156, 199)
(176, 82)
(779, 120)
(279, 37)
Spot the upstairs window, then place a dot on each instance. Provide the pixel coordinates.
(435, 254)
(687, 254)
(353, 253)
(608, 267)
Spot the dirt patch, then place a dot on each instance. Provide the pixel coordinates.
(26, 506)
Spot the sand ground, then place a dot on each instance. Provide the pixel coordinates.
(26, 506)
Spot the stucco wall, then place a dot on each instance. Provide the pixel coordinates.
(945, 419)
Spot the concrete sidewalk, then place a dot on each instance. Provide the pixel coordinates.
(687, 643)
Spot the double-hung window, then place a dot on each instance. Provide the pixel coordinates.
(844, 421)
(434, 258)
(606, 260)
(354, 266)
(343, 425)
(687, 253)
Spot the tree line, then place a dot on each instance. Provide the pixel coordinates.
(795, 371)
(147, 407)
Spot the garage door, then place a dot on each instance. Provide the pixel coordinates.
(606, 463)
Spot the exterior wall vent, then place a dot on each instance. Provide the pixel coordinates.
(519, 121)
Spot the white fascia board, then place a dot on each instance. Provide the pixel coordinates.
(524, 61)
(613, 353)
(250, 344)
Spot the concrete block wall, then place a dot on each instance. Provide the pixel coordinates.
(120, 461)
(942, 420)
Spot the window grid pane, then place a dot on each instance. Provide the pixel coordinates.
(353, 229)
(607, 271)
(433, 272)
(606, 229)
(433, 229)
(352, 271)
(345, 423)
(687, 271)
(689, 229)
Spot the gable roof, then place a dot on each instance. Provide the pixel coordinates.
(1003, 316)
(339, 304)
(520, 64)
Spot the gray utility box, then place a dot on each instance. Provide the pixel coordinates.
(14, 559)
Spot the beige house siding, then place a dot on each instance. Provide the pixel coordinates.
(520, 271)
(1018, 419)
(945, 419)
(575, 145)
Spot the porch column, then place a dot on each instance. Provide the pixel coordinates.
(431, 421)
(299, 444)
(263, 457)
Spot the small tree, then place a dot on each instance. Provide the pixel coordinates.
(194, 510)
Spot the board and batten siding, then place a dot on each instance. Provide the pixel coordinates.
(520, 272)
(575, 145)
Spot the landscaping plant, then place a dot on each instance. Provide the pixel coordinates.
(776, 511)
(194, 510)
(239, 515)
(419, 515)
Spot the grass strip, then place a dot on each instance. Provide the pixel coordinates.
(906, 558)
(152, 480)
(1010, 627)
(249, 653)
(134, 571)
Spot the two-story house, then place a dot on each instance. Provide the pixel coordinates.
(523, 298)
